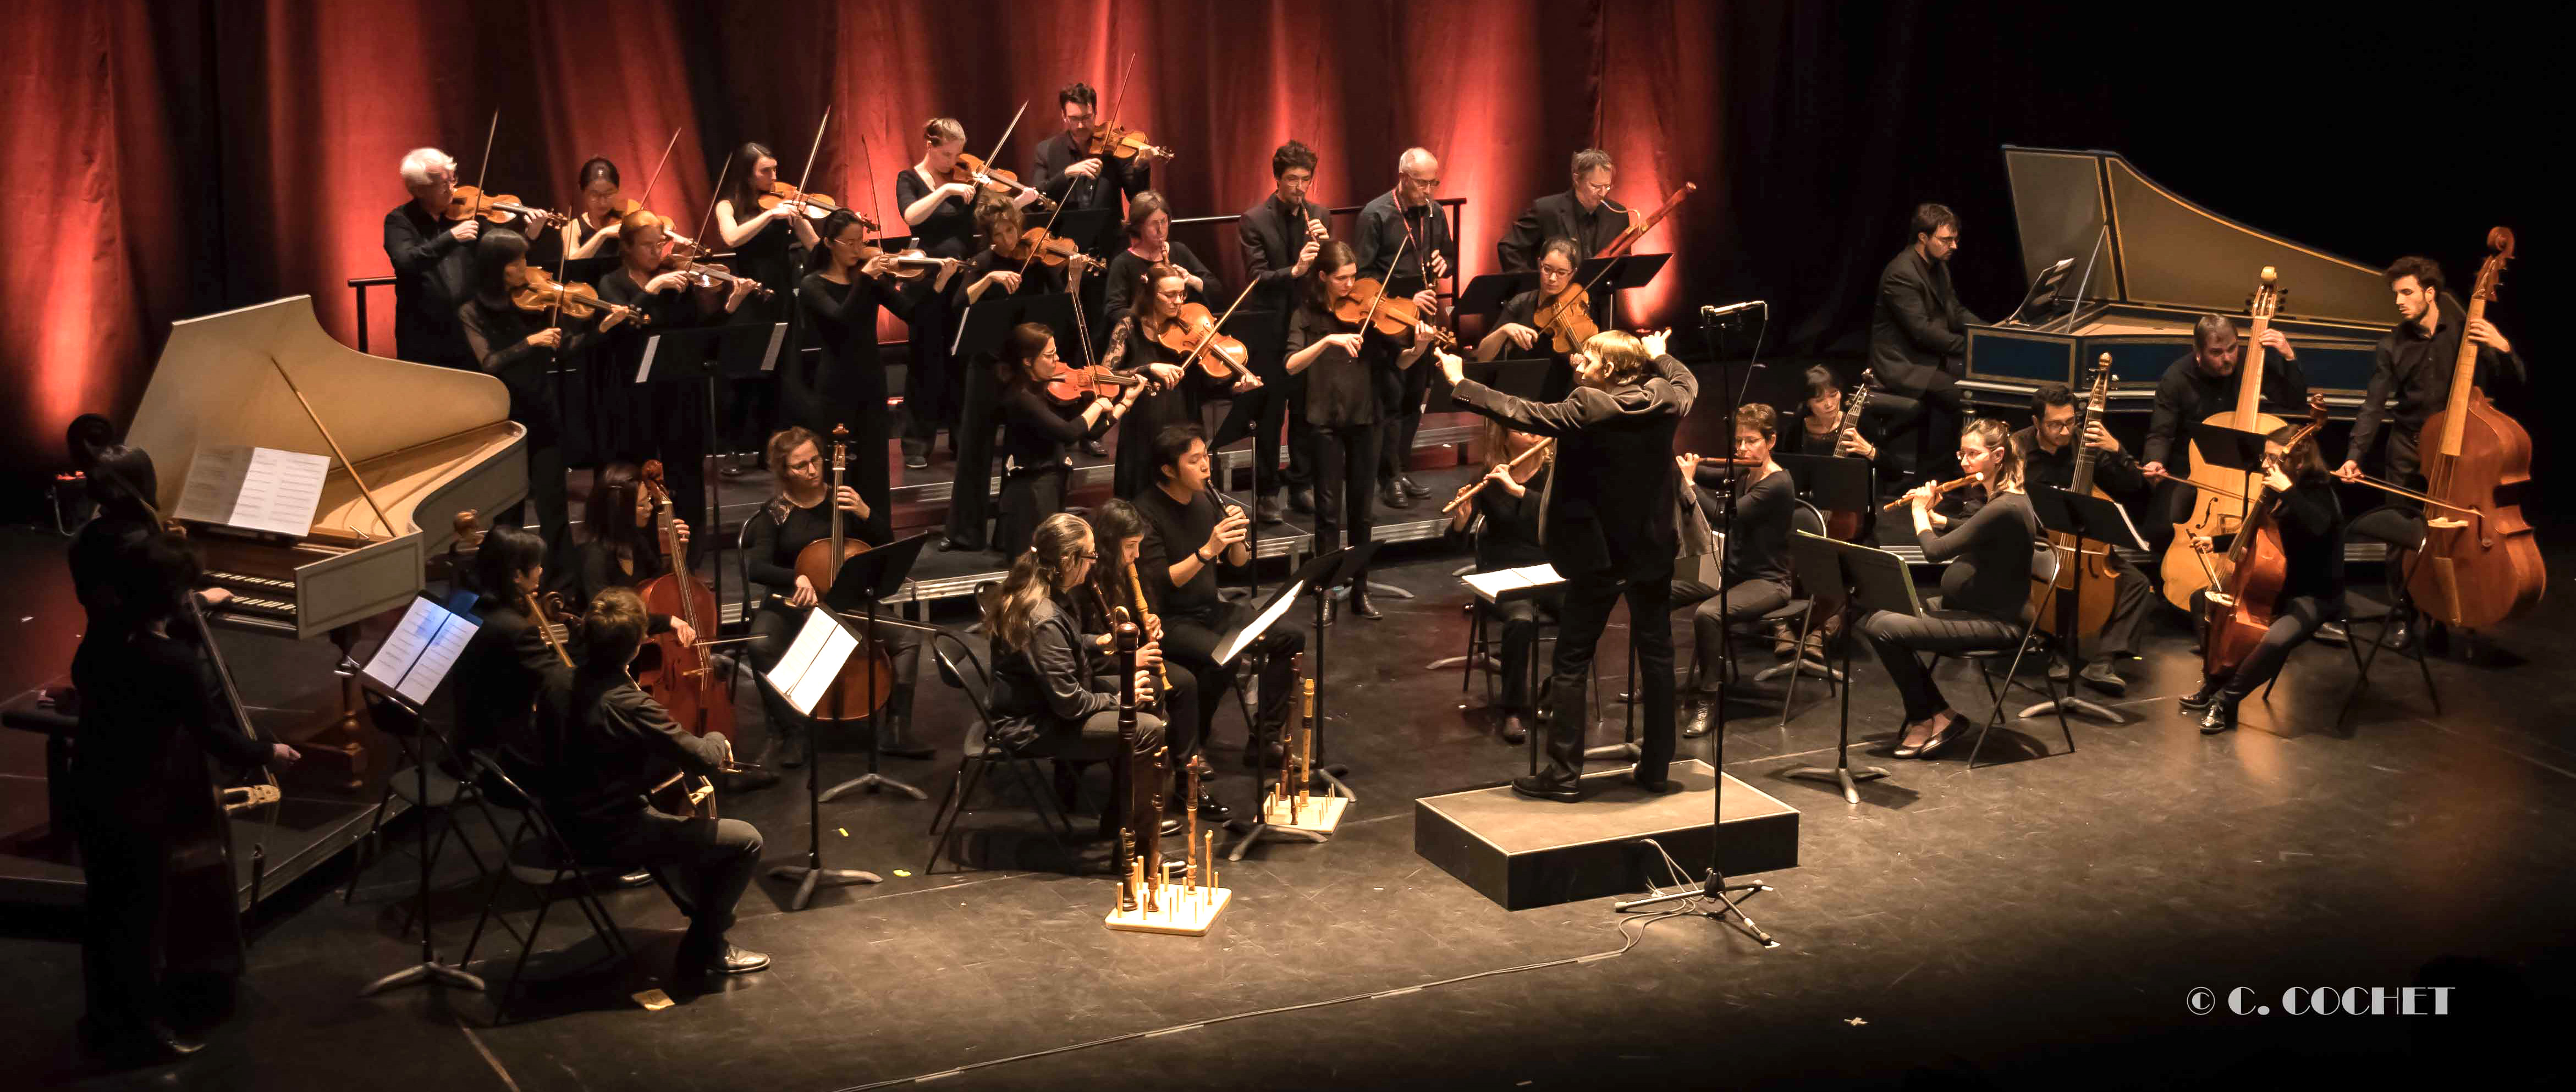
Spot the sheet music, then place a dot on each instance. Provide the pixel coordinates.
(423, 646)
(1279, 604)
(254, 489)
(813, 660)
(1502, 584)
(652, 348)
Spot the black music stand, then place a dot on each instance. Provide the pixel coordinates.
(1316, 574)
(1850, 568)
(429, 969)
(2234, 449)
(702, 354)
(1605, 278)
(2090, 519)
(812, 874)
(1487, 294)
(864, 579)
(1832, 483)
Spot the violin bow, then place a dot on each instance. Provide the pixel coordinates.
(1218, 326)
(640, 202)
(998, 145)
(868, 163)
(484, 171)
(1117, 103)
(713, 196)
(812, 151)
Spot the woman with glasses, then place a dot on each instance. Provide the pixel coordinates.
(1516, 333)
(1984, 588)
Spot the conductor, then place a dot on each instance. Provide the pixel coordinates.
(1612, 537)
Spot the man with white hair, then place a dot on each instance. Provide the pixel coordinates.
(433, 263)
(1404, 242)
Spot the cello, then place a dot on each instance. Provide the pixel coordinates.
(2217, 509)
(2242, 599)
(2481, 564)
(678, 675)
(866, 682)
(2086, 574)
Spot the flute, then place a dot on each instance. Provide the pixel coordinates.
(1938, 491)
(1469, 491)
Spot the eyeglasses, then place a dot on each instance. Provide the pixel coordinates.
(1086, 555)
(1425, 183)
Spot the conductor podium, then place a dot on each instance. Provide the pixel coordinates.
(1522, 853)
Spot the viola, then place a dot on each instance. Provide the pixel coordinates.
(1075, 385)
(579, 301)
(1369, 306)
(683, 259)
(972, 170)
(2481, 564)
(1193, 333)
(1046, 247)
(815, 206)
(866, 681)
(2243, 599)
(470, 201)
(678, 675)
(1567, 318)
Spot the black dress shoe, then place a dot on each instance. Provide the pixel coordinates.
(1411, 487)
(1301, 499)
(1515, 728)
(1543, 787)
(1171, 826)
(1659, 782)
(1697, 717)
(2333, 633)
(1360, 605)
(1093, 449)
(1904, 749)
(1943, 737)
(729, 960)
(2199, 700)
(1268, 510)
(2399, 638)
(2220, 717)
(1393, 497)
(1265, 754)
(144, 1045)
(1211, 810)
(2100, 676)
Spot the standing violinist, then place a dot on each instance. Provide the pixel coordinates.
(1136, 347)
(1280, 238)
(1067, 170)
(992, 274)
(591, 232)
(846, 283)
(2049, 449)
(941, 212)
(765, 244)
(1516, 331)
(2311, 524)
(433, 261)
(1039, 430)
(1583, 214)
(2410, 380)
(667, 421)
(772, 537)
(1340, 363)
(518, 346)
(1404, 242)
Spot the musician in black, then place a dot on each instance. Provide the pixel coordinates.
(1613, 538)
(2203, 383)
(150, 714)
(844, 287)
(602, 744)
(1755, 576)
(1187, 535)
(1118, 532)
(506, 663)
(666, 421)
(1582, 213)
(1038, 434)
(519, 347)
(941, 213)
(1404, 241)
(1341, 364)
(2048, 454)
(1503, 520)
(433, 259)
(1149, 243)
(1065, 169)
(620, 547)
(2410, 381)
(767, 245)
(987, 276)
(1135, 349)
(1985, 587)
(1820, 430)
(1281, 238)
(1050, 696)
(1516, 329)
(1918, 329)
(2311, 523)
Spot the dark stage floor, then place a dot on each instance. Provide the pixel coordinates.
(2018, 925)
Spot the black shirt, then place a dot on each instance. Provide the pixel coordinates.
(949, 230)
(1119, 179)
(2311, 521)
(1340, 388)
(844, 384)
(148, 709)
(1127, 272)
(1989, 556)
(773, 536)
(769, 257)
(1382, 229)
(1053, 681)
(1510, 536)
(1039, 431)
(2188, 394)
(1174, 530)
(2113, 471)
(1272, 235)
(595, 569)
(498, 677)
(1759, 549)
(433, 276)
(1553, 215)
(498, 340)
(2415, 371)
(601, 744)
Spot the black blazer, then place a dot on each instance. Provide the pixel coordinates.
(498, 677)
(1553, 215)
(1054, 683)
(1609, 507)
(1271, 239)
(1917, 328)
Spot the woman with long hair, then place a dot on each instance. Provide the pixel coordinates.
(1038, 434)
(942, 216)
(619, 547)
(1502, 521)
(989, 273)
(519, 348)
(1055, 692)
(764, 244)
(667, 421)
(1174, 398)
(2311, 523)
(846, 283)
(1984, 588)
(1340, 363)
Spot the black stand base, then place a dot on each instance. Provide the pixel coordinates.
(809, 877)
(438, 973)
(1714, 888)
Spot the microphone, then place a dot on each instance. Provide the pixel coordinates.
(1712, 314)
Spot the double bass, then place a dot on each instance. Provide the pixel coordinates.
(678, 675)
(866, 681)
(2084, 574)
(2217, 509)
(2480, 563)
(2243, 598)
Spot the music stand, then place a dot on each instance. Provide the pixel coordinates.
(1333, 563)
(2090, 519)
(1824, 562)
(1605, 278)
(703, 354)
(2043, 294)
(1342, 565)
(812, 874)
(1488, 293)
(398, 688)
(864, 579)
(2234, 449)
(1832, 483)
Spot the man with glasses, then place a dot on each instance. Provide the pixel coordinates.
(1403, 240)
(2048, 452)
(1066, 171)
(1582, 214)
(1918, 331)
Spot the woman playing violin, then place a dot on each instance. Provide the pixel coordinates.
(1149, 242)
(518, 347)
(1516, 333)
(1135, 348)
(847, 281)
(764, 242)
(1340, 363)
(992, 269)
(942, 216)
(2311, 522)
(1039, 431)
(667, 421)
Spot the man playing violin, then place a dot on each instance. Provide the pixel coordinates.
(1281, 237)
(1404, 242)
(1584, 214)
(433, 261)
(1066, 170)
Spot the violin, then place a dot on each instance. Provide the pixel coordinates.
(1567, 318)
(814, 205)
(1076, 385)
(2481, 564)
(683, 259)
(579, 301)
(1047, 247)
(680, 678)
(866, 682)
(469, 202)
(1194, 334)
(1111, 140)
(1368, 306)
(973, 171)
(910, 264)
(2242, 602)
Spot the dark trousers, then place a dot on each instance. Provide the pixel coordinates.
(709, 862)
(1092, 739)
(533, 406)
(969, 498)
(1520, 620)
(773, 628)
(1897, 637)
(1192, 640)
(2406, 468)
(120, 921)
(1402, 418)
(2294, 620)
(677, 435)
(1029, 495)
(1586, 613)
(930, 393)
(1743, 601)
(1345, 484)
(1261, 413)
(2131, 600)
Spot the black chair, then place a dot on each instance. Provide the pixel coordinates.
(538, 857)
(1806, 517)
(419, 743)
(961, 668)
(2397, 529)
(2043, 567)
